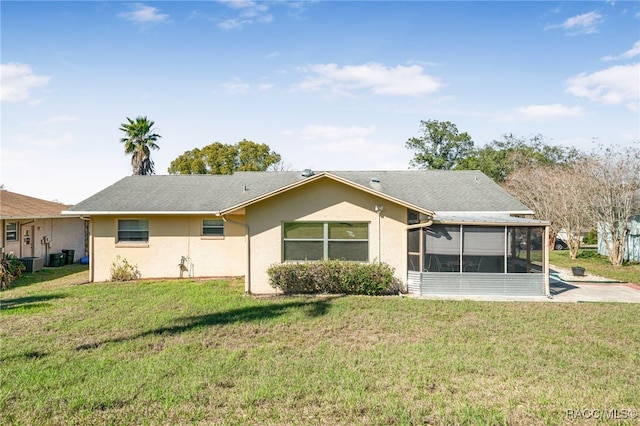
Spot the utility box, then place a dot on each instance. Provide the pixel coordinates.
(32, 264)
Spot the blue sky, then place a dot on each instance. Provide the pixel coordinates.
(329, 85)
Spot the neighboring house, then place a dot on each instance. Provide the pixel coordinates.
(444, 232)
(631, 249)
(35, 228)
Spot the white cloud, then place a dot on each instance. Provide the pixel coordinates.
(631, 53)
(335, 133)
(17, 80)
(611, 86)
(143, 14)
(374, 78)
(250, 12)
(265, 86)
(580, 24)
(351, 147)
(549, 111)
(236, 88)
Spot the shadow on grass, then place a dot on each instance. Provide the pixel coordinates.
(48, 274)
(27, 301)
(312, 308)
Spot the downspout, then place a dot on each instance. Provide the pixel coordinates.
(88, 219)
(378, 209)
(546, 263)
(247, 279)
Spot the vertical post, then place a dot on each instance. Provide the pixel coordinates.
(545, 264)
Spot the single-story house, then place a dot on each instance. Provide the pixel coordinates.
(33, 228)
(444, 232)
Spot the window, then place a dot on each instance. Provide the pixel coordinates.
(133, 230)
(212, 228)
(11, 231)
(326, 240)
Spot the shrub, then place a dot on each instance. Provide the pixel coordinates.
(591, 237)
(334, 276)
(122, 270)
(10, 270)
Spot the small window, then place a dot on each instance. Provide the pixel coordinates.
(133, 230)
(212, 228)
(11, 231)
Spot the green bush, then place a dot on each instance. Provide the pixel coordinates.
(10, 270)
(335, 277)
(122, 270)
(591, 237)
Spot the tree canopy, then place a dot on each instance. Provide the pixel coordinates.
(440, 147)
(223, 159)
(139, 140)
(500, 158)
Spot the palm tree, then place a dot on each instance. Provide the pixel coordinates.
(139, 142)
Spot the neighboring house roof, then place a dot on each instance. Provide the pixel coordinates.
(427, 191)
(18, 206)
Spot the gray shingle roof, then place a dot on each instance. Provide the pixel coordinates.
(429, 190)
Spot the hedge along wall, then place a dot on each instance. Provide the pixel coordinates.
(335, 277)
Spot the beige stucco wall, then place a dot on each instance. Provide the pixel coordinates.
(324, 200)
(170, 238)
(66, 233)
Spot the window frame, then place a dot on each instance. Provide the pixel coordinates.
(219, 226)
(325, 240)
(13, 232)
(129, 242)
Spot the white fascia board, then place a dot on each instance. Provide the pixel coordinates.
(482, 213)
(139, 213)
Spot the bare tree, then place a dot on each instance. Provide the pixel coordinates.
(615, 195)
(555, 193)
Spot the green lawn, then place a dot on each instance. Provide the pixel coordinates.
(200, 352)
(597, 265)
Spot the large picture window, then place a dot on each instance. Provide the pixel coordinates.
(326, 240)
(11, 231)
(133, 230)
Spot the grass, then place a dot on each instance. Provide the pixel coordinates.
(200, 352)
(597, 265)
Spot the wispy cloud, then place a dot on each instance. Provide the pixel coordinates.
(612, 86)
(249, 12)
(373, 78)
(586, 23)
(144, 14)
(548, 112)
(236, 88)
(631, 53)
(17, 80)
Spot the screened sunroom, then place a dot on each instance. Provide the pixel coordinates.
(478, 256)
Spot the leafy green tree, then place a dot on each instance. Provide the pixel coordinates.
(500, 158)
(441, 146)
(140, 139)
(255, 157)
(218, 159)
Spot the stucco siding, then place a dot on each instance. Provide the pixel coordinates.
(324, 200)
(66, 233)
(170, 239)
